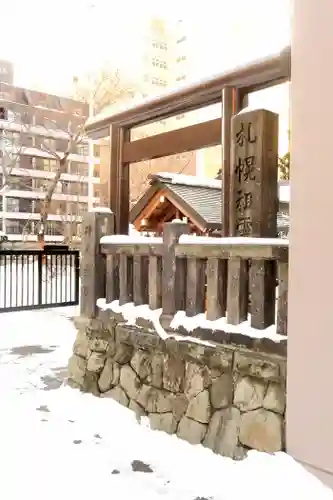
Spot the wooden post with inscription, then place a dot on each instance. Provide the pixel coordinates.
(93, 265)
(253, 213)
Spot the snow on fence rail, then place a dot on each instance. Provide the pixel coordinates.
(180, 272)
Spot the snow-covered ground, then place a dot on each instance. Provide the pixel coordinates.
(56, 443)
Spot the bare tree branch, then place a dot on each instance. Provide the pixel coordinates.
(105, 88)
(10, 159)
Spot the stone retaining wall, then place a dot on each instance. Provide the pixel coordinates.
(227, 397)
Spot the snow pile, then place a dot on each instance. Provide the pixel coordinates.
(126, 239)
(244, 328)
(191, 239)
(132, 231)
(132, 312)
(284, 193)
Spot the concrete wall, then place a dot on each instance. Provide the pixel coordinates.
(310, 337)
(226, 397)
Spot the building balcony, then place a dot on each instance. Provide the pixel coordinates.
(44, 174)
(40, 153)
(40, 195)
(40, 131)
(33, 238)
(36, 217)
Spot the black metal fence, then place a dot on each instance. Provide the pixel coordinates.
(36, 279)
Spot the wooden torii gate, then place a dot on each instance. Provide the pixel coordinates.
(231, 89)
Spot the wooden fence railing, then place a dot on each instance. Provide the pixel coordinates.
(182, 272)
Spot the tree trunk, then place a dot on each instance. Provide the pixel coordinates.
(44, 213)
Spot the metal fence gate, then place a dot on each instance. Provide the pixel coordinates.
(37, 279)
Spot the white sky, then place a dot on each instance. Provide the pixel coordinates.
(51, 40)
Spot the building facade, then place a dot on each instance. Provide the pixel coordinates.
(6, 71)
(179, 52)
(170, 60)
(34, 128)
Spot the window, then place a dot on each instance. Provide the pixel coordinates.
(74, 208)
(39, 185)
(77, 168)
(181, 58)
(75, 188)
(13, 205)
(158, 63)
(159, 81)
(10, 140)
(14, 227)
(27, 162)
(82, 149)
(5, 96)
(180, 78)
(3, 113)
(24, 184)
(54, 228)
(26, 140)
(14, 117)
(49, 144)
(179, 117)
(46, 164)
(181, 39)
(160, 45)
(97, 151)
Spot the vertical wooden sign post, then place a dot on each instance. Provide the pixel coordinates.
(93, 265)
(253, 213)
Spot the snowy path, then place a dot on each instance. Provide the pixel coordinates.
(56, 443)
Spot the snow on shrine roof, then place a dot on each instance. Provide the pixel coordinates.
(187, 180)
(194, 180)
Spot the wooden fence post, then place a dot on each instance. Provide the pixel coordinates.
(195, 286)
(174, 270)
(282, 313)
(93, 266)
(155, 282)
(253, 212)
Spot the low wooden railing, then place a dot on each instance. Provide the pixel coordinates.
(182, 272)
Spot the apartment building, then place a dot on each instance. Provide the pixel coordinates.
(167, 58)
(159, 73)
(156, 57)
(33, 126)
(171, 58)
(6, 71)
